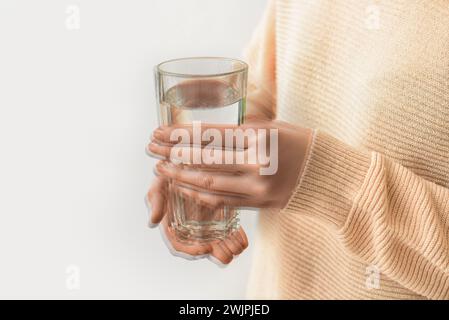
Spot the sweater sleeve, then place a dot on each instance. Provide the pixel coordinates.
(260, 54)
(385, 214)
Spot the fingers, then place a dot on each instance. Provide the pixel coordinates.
(209, 131)
(230, 160)
(220, 255)
(208, 181)
(234, 246)
(248, 192)
(220, 252)
(223, 252)
(171, 134)
(180, 249)
(242, 238)
(213, 200)
(214, 136)
(155, 201)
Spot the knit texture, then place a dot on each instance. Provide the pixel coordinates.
(369, 218)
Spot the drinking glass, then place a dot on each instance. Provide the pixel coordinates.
(210, 90)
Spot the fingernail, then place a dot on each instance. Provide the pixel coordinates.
(157, 134)
(162, 166)
(151, 154)
(202, 256)
(148, 205)
(220, 264)
(152, 225)
(148, 151)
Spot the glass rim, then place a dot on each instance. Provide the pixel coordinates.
(243, 67)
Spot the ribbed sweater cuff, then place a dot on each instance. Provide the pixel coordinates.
(332, 177)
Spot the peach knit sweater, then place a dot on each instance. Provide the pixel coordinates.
(370, 216)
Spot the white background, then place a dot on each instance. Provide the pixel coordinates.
(76, 110)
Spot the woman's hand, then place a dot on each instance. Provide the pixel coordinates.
(220, 183)
(220, 252)
(260, 184)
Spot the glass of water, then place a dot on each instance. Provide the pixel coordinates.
(210, 90)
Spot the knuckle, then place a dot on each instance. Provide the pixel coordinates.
(257, 167)
(262, 189)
